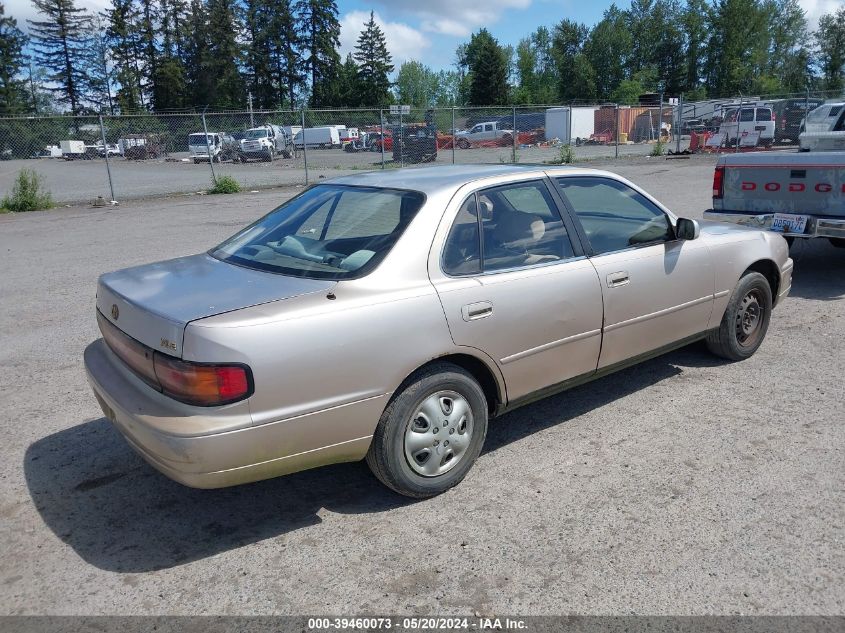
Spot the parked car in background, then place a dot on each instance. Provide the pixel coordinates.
(832, 141)
(789, 115)
(388, 315)
(800, 195)
(378, 141)
(111, 149)
(823, 128)
(752, 119)
(483, 132)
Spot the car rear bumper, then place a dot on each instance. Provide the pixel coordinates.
(216, 447)
(816, 226)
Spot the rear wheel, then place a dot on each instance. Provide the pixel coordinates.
(431, 433)
(746, 319)
(463, 143)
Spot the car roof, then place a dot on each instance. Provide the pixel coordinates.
(430, 180)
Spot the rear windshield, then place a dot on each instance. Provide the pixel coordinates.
(327, 232)
(764, 114)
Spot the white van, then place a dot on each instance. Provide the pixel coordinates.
(752, 119)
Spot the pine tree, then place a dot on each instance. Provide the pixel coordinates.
(60, 45)
(320, 29)
(100, 70)
(374, 65)
(257, 57)
(285, 51)
(568, 40)
(199, 78)
(148, 48)
(124, 42)
(830, 37)
(608, 51)
(347, 91)
(224, 54)
(12, 41)
(488, 70)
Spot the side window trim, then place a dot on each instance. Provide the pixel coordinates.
(580, 243)
(582, 234)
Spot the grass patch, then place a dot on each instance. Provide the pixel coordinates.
(28, 194)
(566, 156)
(225, 184)
(657, 150)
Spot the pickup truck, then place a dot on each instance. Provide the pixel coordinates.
(483, 132)
(800, 195)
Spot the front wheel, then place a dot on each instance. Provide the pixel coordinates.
(431, 433)
(746, 319)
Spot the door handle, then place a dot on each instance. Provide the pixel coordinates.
(620, 278)
(473, 311)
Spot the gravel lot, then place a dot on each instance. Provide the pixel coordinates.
(82, 181)
(683, 486)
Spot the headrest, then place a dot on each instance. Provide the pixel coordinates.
(486, 208)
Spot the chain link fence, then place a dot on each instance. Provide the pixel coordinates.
(100, 159)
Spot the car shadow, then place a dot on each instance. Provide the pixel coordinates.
(120, 515)
(819, 270)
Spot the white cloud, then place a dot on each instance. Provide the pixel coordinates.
(456, 17)
(817, 8)
(23, 10)
(403, 42)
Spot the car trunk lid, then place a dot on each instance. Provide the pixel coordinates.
(153, 303)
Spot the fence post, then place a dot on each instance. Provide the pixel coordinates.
(617, 130)
(401, 141)
(106, 152)
(304, 146)
(660, 122)
(680, 123)
(381, 129)
(454, 136)
(208, 150)
(514, 135)
(738, 117)
(569, 124)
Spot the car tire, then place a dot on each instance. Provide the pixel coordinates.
(746, 319)
(407, 453)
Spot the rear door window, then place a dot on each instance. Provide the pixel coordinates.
(520, 224)
(746, 114)
(764, 114)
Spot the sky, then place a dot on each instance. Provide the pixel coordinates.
(429, 30)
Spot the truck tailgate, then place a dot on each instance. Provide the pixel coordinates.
(783, 182)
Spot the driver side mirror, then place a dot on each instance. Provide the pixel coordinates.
(687, 229)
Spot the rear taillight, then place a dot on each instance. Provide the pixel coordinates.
(199, 384)
(203, 385)
(719, 182)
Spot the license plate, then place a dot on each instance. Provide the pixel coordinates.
(789, 223)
